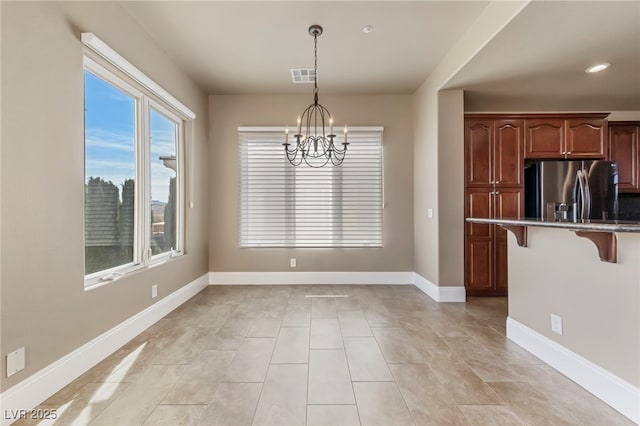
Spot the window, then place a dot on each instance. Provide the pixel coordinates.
(286, 206)
(134, 144)
(164, 142)
(110, 175)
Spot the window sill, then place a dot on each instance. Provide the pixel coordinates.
(117, 274)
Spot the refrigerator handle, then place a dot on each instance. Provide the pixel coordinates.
(587, 191)
(583, 195)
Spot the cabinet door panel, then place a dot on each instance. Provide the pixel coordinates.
(544, 138)
(509, 203)
(508, 152)
(478, 203)
(623, 149)
(586, 138)
(479, 264)
(477, 152)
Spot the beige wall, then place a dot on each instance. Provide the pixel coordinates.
(425, 183)
(438, 153)
(599, 302)
(451, 187)
(392, 112)
(44, 305)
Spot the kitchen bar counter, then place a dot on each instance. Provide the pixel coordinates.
(588, 225)
(602, 233)
(597, 304)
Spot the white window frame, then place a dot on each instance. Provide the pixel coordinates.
(147, 94)
(180, 209)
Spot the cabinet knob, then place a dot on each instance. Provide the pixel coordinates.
(497, 181)
(569, 153)
(497, 192)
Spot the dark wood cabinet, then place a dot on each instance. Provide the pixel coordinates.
(575, 136)
(479, 203)
(545, 138)
(479, 247)
(486, 245)
(624, 150)
(508, 202)
(586, 138)
(508, 154)
(478, 152)
(479, 268)
(494, 152)
(494, 176)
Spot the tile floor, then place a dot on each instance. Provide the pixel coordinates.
(382, 355)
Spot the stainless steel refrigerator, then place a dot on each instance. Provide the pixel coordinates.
(571, 190)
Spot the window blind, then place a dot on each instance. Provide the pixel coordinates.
(332, 206)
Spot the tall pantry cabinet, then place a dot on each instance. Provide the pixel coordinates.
(494, 188)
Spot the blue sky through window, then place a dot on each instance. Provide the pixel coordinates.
(109, 131)
(110, 137)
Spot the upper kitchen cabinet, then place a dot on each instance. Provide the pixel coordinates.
(478, 143)
(508, 156)
(570, 136)
(545, 138)
(586, 138)
(494, 152)
(624, 150)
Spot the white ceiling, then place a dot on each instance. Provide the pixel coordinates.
(536, 62)
(249, 47)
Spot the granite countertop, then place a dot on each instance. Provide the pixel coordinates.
(586, 225)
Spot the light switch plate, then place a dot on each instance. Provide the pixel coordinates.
(154, 291)
(430, 213)
(292, 262)
(15, 361)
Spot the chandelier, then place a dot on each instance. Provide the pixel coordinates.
(314, 144)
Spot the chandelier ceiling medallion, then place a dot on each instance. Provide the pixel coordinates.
(314, 144)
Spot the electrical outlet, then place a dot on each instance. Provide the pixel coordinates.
(292, 262)
(15, 361)
(556, 324)
(154, 291)
(430, 213)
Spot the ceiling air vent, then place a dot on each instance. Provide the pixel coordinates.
(303, 75)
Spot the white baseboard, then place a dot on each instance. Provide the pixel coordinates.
(440, 294)
(276, 278)
(611, 389)
(41, 385)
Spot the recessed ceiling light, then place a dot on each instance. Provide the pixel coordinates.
(597, 68)
(367, 29)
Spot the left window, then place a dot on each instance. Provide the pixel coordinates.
(134, 185)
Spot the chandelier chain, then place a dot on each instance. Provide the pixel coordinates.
(315, 61)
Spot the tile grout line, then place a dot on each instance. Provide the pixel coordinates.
(255, 410)
(306, 406)
(353, 390)
(394, 379)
